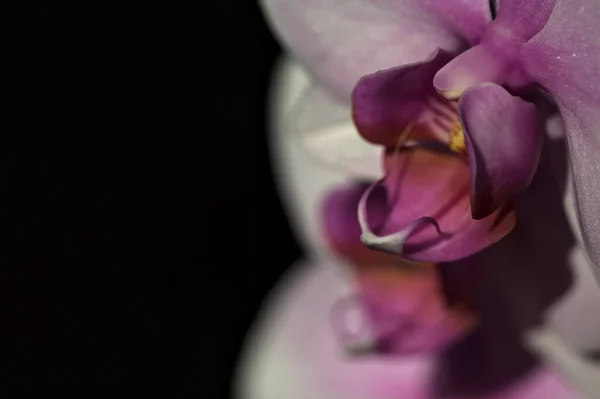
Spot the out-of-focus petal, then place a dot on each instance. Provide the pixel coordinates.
(342, 40)
(422, 184)
(291, 353)
(408, 310)
(504, 143)
(296, 355)
(326, 131)
(386, 102)
(564, 57)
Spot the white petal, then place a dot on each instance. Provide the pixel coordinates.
(327, 132)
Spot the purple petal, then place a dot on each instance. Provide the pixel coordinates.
(386, 102)
(503, 142)
(523, 18)
(340, 41)
(425, 185)
(564, 57)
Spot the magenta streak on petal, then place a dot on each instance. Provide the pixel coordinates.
(440, 117)
(444, 110)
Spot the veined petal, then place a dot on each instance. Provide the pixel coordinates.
(564, 57)
(429, 220)
(386, 102)
(342, 40)
(503, 142)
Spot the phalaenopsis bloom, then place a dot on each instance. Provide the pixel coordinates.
(457, 94)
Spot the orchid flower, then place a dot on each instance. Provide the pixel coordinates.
(455, 94)
(448, 71)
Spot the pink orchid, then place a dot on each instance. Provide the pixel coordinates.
(457, 100)
(536, 46)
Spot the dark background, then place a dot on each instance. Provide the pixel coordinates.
(139, 217)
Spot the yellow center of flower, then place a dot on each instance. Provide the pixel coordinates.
(457, 139)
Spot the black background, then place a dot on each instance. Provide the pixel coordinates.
(139, 217)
